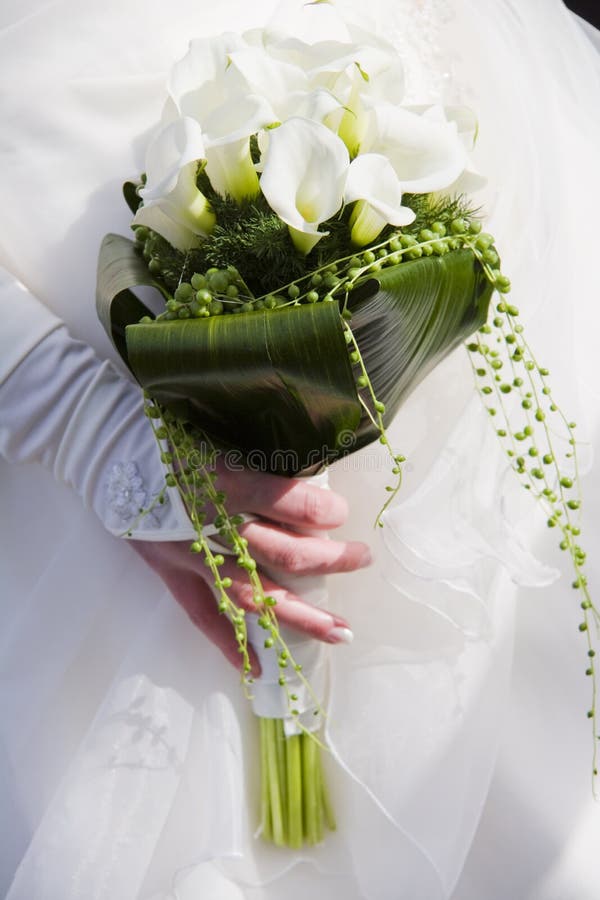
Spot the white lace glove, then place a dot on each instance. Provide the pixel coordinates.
(63, 407)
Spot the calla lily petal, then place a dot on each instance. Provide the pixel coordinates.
(227, 131)
(304, 176)
(373, 183)
(177, 235)
(238, 118)
(187, 205)
(172, 204)
(319, 106)
(426, 155)
(180, 143)
(467, 127)
(202, 80)
(463, 118)
(273, 79)
(323, 57)
(231, 170)
(316, 105)
(371, 177)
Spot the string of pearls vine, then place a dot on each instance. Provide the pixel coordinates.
(504, 366)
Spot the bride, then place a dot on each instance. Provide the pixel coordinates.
(125, 760)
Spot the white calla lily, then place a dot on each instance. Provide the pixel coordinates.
(356, 75)
(275, 80)
(374, 186)
(427, 154)
(172, 148)
(354, 122)
(231, 171)
(172, 204)
(203, 79)
(326, 61)
(317, 106)
(322, 61)
(158, 220)
(375, 75)
(304, 178)
(207, 85)
(376, 70)
(281, 75)
(467, 127)
(227, 132)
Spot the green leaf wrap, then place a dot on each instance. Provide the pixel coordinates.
(275, 383)
(408, 317)
(119, 269)
(279, 382)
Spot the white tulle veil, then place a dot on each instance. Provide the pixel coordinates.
(125, 751)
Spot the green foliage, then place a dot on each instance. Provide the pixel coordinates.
(437, 208)
(251, 237)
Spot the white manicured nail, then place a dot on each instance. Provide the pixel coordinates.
(340, 635)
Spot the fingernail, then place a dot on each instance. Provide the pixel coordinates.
(339, 635)
(366, 558)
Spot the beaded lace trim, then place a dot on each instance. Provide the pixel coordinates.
(129, 501)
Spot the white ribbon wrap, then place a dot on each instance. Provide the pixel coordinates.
(270, 699)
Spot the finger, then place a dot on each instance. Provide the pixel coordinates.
(219, 630)
(301, 554)
(287, 500)
(197, 599)
(289, 608)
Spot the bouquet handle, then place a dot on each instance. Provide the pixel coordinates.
(271, 699)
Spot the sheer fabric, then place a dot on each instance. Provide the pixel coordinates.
(125, 749)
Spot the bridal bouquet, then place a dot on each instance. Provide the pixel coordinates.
(317, 254)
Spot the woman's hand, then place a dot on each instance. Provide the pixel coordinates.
(283, 505)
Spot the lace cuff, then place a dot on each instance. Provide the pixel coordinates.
(61, 406)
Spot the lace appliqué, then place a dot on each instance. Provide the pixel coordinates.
(128, 501)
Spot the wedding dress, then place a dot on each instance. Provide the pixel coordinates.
(127, 763)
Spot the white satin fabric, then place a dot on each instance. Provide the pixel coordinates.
(77, 416)
(125, 753)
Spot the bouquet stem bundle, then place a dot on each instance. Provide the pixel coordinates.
(295, 804)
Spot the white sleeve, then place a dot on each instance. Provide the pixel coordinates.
(63, 407)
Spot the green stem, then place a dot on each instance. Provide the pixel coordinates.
(267, 830)
(279, 836)
(281, 765)
(326, 803)
(319, 794)
(310, 799)
(294, 790)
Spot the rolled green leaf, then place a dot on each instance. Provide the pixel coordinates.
(120, 268)
(276, 384)
(408, 317)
